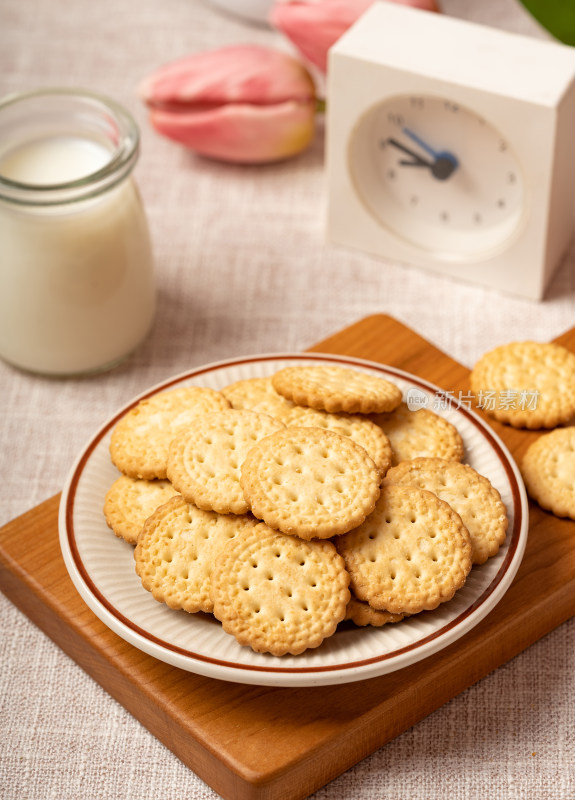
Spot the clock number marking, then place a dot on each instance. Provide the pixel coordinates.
(396, 119)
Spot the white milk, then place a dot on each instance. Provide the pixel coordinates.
(76, 278)
(53, 159)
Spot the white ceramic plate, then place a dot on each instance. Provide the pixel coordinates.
(102, 566)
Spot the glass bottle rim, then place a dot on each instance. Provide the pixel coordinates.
(123, 156)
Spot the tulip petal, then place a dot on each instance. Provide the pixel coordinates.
(241, 133)
(237, 74)
(313, 26)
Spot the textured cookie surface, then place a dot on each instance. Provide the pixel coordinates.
(548, 469)
(141, 439)
(362, 614)
(257, 394)
(204, 462)
(130, 501)
(176, 551)
(310, 482)
(526, 384)
(420, 433)
(279, 594)
(336, 389)
(410, 555)
(470, 494)
(361, 430)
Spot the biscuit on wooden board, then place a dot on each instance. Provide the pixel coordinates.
(548, 469)
(526, 384)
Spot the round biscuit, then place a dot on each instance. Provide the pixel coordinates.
(176, 551)
(411, 554)
(141, 439)
(257, 394)
(362, 614)
(361, 430)
(548, 469)
(204, 461)
(335, 388)
(526, 384)
(278, 594)
(470, 494)
(310, 482)
(130, 501)
(419, 433)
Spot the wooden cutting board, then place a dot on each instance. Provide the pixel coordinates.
(262, 743)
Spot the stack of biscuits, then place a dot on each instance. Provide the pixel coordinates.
(284, 505)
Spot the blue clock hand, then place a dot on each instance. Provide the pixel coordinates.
(415, 138)
(444, 163)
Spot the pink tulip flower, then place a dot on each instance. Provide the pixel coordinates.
(314, 25)
(244, 104)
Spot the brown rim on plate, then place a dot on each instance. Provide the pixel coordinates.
(514, 535)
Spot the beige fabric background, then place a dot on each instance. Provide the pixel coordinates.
(243, 268)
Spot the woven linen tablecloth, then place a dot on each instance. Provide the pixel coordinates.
(243, 268)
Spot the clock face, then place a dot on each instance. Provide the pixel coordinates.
(438, 176)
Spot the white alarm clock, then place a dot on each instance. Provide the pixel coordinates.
(451, 146)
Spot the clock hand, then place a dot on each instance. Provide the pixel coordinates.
(415, 138)
(418, 161)
(444, 164)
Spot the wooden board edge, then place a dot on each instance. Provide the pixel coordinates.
(265, 787)
(30, 598)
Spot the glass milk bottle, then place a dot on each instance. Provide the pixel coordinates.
(77, 290)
